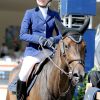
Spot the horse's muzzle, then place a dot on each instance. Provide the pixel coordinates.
(77, 77)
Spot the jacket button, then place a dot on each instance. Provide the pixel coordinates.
(45, 25)
(44, 32)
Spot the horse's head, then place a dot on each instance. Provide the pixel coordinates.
(72, 48)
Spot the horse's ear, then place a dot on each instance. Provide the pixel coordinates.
(61, 27)
(65, 30)
(83, 28)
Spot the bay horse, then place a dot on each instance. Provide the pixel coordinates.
(62, 73)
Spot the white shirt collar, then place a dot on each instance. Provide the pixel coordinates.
(44, 11)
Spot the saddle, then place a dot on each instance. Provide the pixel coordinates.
(32, 78)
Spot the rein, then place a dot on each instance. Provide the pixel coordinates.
(54, 62)
(67, 74)
(70, 73)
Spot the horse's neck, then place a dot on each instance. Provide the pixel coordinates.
(58, 81)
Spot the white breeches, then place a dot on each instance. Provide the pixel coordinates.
(27, 66)
(29, 62)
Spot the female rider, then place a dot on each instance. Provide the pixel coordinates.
(36, 29)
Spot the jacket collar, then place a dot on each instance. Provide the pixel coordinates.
(39, 14)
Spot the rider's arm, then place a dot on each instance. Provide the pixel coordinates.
(24, 31)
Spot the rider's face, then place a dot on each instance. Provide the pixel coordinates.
(42, 2)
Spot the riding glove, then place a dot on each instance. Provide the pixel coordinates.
(50, 42)
(46, 42)
(42, 40)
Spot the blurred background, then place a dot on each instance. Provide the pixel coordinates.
(11, 48)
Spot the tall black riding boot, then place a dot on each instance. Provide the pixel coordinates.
(21, 90)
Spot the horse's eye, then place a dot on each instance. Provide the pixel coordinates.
(66, 47)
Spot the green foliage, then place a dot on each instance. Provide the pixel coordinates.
(82, 87)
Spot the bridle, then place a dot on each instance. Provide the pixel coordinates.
(70, 73)
(63, 47)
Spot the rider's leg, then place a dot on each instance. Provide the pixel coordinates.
(27, 66)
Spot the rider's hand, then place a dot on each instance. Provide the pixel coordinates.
(49, 43)
(42, 40)
(46, 42)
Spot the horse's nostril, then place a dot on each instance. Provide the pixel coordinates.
(75, 75)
